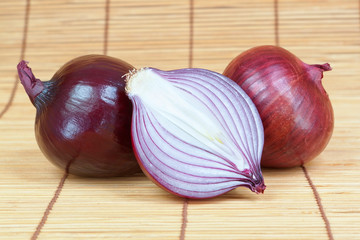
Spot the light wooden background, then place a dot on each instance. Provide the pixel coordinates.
(169, 35)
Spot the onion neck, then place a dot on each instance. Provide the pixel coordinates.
(324, 67)
(315, 74)
(257, 184)
(316, 71)
(259, 188)
(32, 85)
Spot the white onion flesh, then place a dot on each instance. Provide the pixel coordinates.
(195, 132)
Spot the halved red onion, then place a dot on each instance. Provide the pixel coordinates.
(195, 132)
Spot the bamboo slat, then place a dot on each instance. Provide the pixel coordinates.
(334, 28)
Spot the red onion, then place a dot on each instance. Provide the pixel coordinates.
(195, 132)
(294, 107)
(83, 117)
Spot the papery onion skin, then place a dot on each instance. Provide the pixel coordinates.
(83, 118)
(295, 109)
(173, 142)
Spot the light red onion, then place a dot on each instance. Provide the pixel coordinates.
(83, 117)
(195, 132)
(294, 107)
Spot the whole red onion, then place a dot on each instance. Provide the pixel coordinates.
(294, 107)
(83, 118)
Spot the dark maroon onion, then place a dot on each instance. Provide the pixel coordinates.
(294, 107)
(83, 118)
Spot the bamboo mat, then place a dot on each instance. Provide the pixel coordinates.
(38, 201)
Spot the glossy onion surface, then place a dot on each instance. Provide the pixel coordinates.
(294, 107)
(83, 118)
(195, 132)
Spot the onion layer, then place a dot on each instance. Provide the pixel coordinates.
(195, 132)
(294, 107)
